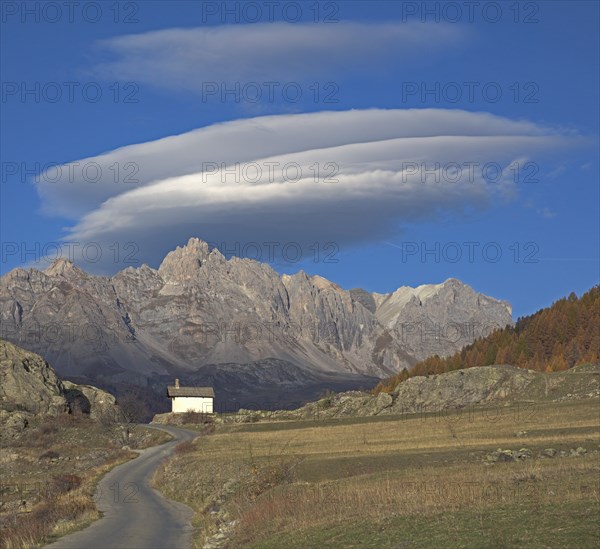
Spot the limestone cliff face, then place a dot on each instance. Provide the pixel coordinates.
(440, 318)
(199, 309)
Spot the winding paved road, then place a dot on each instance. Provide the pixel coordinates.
(135, 516)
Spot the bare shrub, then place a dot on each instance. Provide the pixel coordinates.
(196, 418)
(209, 429)
(184, 447)
(121, 421)
(273, 471)
(48, 429)
(61, 484)
(65, 498)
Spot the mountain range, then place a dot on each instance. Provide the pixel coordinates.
(258, 337)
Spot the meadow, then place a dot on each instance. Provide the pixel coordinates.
(423, 480)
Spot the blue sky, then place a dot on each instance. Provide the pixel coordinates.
(511, 89)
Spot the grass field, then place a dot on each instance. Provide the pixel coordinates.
(412, 481)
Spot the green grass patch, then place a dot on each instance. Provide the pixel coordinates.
(551, 526)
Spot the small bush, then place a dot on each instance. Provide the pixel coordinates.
(61, 484)
(267, 476)
(325, 403)
(49, 454)
(326, 399)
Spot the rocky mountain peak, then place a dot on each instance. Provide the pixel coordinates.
(199, 310)
(184, 262)
(324, 284)
(216, 255)
(195, 244)
(438, 318)
(64, 267)
(60, 264)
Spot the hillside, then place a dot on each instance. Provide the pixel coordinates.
(462, 392)
(553, 339)
(56, 439)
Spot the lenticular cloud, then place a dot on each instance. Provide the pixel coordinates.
(186, 58)
(348, 177)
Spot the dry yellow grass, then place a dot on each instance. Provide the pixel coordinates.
(417, 491)
(291, 477)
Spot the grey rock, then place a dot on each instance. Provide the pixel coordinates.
(501, 455)
(452, 394)
(93, 401)
(14, 422)
(383, 400)
(579, 451)
(524, 453)
(29, 386)
(28, 383)
(461, 388)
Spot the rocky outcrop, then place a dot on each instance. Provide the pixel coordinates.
(199, 310)
(28, 383)
(463, 387)
(29, 386)
(451, 392)
(89, 400)
(501, 455)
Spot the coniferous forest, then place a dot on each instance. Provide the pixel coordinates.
(553, 339)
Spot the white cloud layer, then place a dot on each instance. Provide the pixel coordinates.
(74, 189)
(185, 58)
(347, 177)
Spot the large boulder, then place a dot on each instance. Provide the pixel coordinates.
(29, 386)
(28, 383)
(90, 400)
